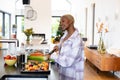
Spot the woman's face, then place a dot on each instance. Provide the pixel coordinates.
(64, 23)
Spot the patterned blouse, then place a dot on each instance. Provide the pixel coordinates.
(70, 57)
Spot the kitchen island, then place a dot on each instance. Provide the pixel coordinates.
(14, 71)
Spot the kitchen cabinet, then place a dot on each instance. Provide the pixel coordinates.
(104, 62)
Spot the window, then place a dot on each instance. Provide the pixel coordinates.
(20, 27)
(20, 22)
(1, 23)
(5, 22)
(55, 25)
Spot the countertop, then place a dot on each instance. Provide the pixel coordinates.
(16, 41)
(15, 71)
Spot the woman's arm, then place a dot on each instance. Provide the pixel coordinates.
(69, 53)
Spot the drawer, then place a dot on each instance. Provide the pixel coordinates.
(97, 63)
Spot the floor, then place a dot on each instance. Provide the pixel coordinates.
(90, 73)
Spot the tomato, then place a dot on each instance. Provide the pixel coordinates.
(13, 57)
(7, 57)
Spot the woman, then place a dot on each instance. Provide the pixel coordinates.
(70, 51)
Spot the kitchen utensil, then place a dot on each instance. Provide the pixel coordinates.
(52, 51)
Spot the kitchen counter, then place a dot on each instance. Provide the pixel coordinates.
(13, 71)
(10, 41)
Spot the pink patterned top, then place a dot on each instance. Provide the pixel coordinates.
(70, 57)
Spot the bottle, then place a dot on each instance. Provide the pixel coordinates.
(18, 60)
(22, 54)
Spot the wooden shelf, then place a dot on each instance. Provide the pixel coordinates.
(104, 62)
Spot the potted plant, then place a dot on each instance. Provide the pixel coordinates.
(28, 33)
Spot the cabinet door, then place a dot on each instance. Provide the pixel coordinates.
(98, 61)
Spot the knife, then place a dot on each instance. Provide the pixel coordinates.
(52, 51)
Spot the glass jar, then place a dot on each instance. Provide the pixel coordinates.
(101, 46)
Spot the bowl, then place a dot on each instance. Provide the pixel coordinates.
(10, 62)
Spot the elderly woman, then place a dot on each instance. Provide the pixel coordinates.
(69, 52)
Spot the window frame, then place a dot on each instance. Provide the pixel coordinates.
(3, 23)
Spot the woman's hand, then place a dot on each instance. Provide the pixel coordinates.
(56, 48)
(47, 55)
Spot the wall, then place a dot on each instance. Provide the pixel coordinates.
(58, 10)
(109, 15)
(43, 22)
(84, 24)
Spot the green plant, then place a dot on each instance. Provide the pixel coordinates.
(28, 33)
(59, 34)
